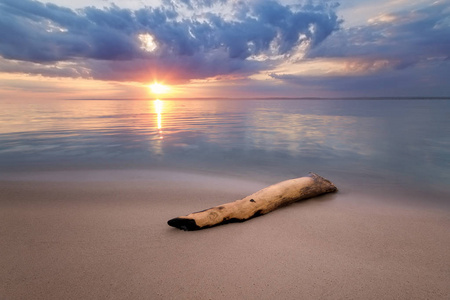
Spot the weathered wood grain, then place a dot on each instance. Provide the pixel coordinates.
(259, 203)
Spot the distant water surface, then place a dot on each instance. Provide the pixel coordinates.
(396, 143)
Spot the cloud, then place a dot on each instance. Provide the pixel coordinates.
(426, 79)
(393, 53)
(193, 39)
(403, 38)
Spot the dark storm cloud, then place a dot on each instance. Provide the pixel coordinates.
(105, 41)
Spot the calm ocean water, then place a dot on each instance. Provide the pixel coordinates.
(402, 143)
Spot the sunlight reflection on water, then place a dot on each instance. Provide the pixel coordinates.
(383, 139)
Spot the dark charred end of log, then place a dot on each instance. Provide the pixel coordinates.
(326, 185)
(184, 224)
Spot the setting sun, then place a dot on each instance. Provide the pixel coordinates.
(158, 88)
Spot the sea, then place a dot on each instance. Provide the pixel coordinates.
(374, 145)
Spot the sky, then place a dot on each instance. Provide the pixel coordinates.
(224, 48)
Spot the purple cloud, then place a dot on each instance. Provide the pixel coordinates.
(427, 80)
(105, 44)
(404, 38)
(403, 53)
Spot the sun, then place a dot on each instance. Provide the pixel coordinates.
(158, 88)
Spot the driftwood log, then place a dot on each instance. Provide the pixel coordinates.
(259, 203)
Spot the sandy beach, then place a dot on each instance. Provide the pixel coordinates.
(84, 235)
(118, 118)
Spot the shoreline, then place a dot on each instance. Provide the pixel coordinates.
(368, 188)
(67, 235)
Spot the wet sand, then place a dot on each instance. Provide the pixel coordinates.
(84, 235)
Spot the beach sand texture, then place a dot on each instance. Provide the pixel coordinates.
(75, 237)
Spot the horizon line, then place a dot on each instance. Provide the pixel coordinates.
(274, 98)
